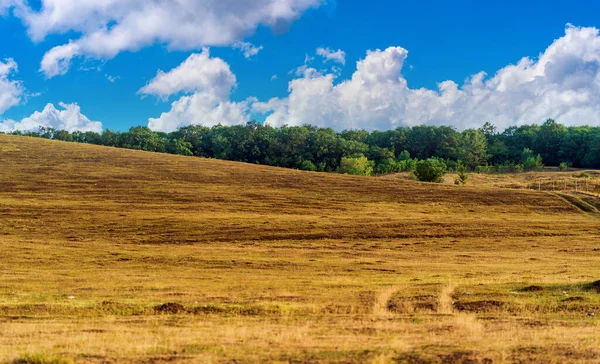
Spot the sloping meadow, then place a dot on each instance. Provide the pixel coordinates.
(112, 255)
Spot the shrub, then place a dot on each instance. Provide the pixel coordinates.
(483, 169)
(582, 175)
(407, 165)
(451, 165)
(386, 166)
(530, 161)
(180, 146)
(533, 163)
(308, 166)
(41, 358)
(508, 167)
(404, 162)
(563, 166)
(461, 170)
(359, 166)
(403, 156)
(430, 170)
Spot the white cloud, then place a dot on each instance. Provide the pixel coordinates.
(249, 49)
(70, 119)
(198, 73)
(338, 56)
(201, 109)
(4, 5)
(108, 27)
(208, 83)
(57, 61)
(111, 79)
(274, 77)
(11, 92)
(299, 71)
(563, 83)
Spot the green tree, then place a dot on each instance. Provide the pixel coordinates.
(179, 146)
(563, 166)
(359, 166)
(404, 162)
(325, 149)
(63, 135)
(431, 141)
(289, 147)
(461, 170)
(530, 161)
(517, 138)
(430, 170)
(308, 166)
(547, 141)
(471, 148)
(197, 136)
(355, 135)
(386, 166)
(142, 138)
(592, 157)
(110, 138)
(489, 130)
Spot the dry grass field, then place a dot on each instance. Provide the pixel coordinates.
(118, 256)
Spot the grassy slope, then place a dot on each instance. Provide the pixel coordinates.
(271, 264)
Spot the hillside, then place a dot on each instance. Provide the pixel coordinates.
(172, 199)
(119, 255)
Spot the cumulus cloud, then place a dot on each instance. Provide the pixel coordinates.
(249, 49)
(108, 27)
(69, 118)
(201, 109)
(11, 91)
(5, 5)
(207, 83)
(562, 83)
(198, 73)
(58, 60)
(338, 56)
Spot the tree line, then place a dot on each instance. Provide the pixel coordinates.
(312, 148)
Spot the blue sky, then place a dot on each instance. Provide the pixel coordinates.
(445, 41)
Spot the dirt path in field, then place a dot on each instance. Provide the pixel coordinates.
(381, 303)
(578, 203)
(445, 299)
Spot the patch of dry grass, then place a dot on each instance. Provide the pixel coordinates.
(264, 264)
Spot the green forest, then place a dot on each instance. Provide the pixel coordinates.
(483, 150)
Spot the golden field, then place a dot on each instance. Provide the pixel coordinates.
(120, 256)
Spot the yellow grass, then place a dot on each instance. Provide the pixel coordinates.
(261, 264)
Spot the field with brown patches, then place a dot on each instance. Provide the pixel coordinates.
(111, 255)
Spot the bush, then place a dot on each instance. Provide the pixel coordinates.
(403, 156)
(308, 166)
(582, 175)
(407, 165)
(533, 163)
(359, 166)
(41, 358)
(386, 166)
(530, 161)
(483, 169)
(180, 147)
(563, 166)
(461, 170)
(430, 170)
